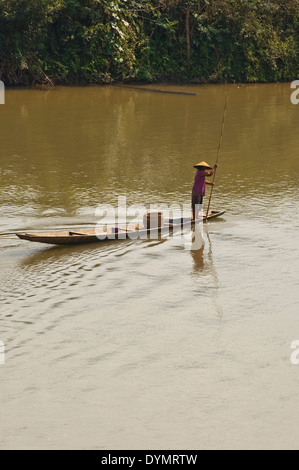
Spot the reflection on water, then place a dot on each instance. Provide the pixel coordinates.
(47, 256)
(204, 272)
(198, 259)
(153, 343)
(93, 144)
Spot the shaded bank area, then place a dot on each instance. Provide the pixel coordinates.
(199, 41)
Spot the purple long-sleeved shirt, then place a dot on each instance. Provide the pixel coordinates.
(199, 186)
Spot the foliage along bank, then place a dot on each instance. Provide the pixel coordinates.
(103, 41)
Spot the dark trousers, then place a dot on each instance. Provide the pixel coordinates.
(196, 201)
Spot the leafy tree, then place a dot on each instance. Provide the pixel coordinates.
(100, 41)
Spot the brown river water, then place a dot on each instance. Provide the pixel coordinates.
(147, 344)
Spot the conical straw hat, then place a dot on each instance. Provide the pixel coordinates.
(208, 167)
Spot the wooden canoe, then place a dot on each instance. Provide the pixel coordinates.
(122, 232)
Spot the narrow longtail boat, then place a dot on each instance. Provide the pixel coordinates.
(121, 232)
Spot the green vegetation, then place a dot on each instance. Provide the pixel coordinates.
(101, 41)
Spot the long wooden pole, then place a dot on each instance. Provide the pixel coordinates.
(218, 153)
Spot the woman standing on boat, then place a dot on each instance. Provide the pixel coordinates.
(199, 186)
